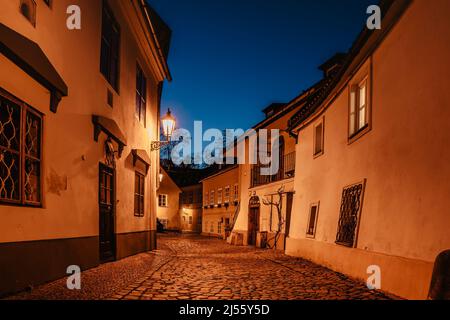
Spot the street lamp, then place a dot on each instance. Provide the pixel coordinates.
(168, 126)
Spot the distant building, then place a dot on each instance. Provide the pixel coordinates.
(220, 201)
(78, 113)
(191, 211)
(168, 198)
(257, 221)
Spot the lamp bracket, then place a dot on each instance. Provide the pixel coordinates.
(157, 145)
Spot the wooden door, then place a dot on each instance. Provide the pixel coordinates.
(253, 225)
(106, 212)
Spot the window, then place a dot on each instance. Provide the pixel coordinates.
(219, 196)
(110, 47)
(227, 195)
(319, 139)
(211, 199)
(206, 198)
(141, 95)
(312, 223)
(28, 10)
(190, 220)
(236, 192)
(219, 228)
(352, 198)
(359, 108)
(162, 200)
(139, 194)
(20, 152)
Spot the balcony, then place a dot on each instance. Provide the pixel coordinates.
(286, 171)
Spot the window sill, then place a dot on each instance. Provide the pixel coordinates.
(318, 155)
(359, 134)
(21, 205)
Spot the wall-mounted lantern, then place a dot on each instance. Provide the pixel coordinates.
(168, 124)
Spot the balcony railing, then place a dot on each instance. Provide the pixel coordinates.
(286, 171)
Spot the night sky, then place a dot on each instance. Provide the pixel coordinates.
(231, 58)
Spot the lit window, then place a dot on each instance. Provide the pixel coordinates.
(206, 198)
(236, 192)
(359, 109)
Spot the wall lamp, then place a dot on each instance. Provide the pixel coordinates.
(168, 126)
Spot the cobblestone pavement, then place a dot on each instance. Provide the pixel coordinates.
(198, 268)
(209, 269)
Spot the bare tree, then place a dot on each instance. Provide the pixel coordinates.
(278, 204)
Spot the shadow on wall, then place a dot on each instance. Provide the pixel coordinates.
(440, 282)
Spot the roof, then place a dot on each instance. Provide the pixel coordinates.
(171, 179)
(30, 57)
(160, 32)
(336, 59)
(366, 42)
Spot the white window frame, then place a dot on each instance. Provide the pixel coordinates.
(166, 200)
(236, 192)
(356, 128)
(318, 153)
(219, 196)
(212, 199)
(226, 198)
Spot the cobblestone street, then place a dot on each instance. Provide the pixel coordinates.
(198, 268)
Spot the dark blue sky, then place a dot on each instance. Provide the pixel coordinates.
(231, 58)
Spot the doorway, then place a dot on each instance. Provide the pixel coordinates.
(106, 213)
(253, 220)
(289, 203)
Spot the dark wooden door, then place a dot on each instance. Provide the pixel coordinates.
(253, 225)
(106, 206)
(289, 202)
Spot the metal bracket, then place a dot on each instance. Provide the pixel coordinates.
(157, 145)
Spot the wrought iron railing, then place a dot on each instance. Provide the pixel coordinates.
(286, 171)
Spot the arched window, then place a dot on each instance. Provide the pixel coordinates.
(28, 10)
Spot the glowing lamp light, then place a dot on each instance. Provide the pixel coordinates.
(168, 124)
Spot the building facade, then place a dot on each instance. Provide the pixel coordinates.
(168, 197)
(220, 202)
(78, 112)
(264, 214)
(373, 189)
